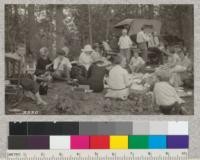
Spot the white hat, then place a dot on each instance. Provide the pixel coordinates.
(87, 48)
(66, 50)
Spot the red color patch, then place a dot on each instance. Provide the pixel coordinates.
(99, 142)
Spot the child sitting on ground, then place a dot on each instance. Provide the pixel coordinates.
(61, 67)
(166, 96)
(118, 81)
(137, 63)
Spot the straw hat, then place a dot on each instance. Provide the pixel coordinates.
(103, 61)
(87, 48)
(66, 50)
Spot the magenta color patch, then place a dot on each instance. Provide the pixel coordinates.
(80, 142)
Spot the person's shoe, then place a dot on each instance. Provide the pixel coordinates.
(43, 103)
(183, 111)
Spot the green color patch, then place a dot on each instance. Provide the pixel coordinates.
(138, 142)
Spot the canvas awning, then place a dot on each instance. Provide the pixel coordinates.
(135, 25)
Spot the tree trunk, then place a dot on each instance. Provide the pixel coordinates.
(59, 27)
(30, 32)
(90, 24)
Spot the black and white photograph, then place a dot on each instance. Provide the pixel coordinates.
(99, 59)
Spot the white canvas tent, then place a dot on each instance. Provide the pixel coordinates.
(134, 25)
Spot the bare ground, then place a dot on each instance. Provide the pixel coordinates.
(63, 100)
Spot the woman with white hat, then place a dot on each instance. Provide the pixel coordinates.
(85, 58)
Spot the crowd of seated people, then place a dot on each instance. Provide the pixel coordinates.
(95, 69)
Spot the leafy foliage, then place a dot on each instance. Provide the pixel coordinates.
(56, 25)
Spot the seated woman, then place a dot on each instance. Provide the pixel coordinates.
(61, 67)
(96, 75)
(180, 70)
(166, 96)
(136, 63)
(172, 61)
(96, 54)
(42, 65)
(85, 58)
(118, 81)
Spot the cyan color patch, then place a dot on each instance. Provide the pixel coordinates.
(157, 142)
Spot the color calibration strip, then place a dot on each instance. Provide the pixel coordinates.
(99, 135)
(99, 142)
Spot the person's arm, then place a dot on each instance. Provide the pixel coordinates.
(141, 61)
(166, 52)
(127, 79)
(49, 65)
(130, 42)
(54, 63)
(81, 59)
(173, 63)
(89, 73)
(157, 42)
(176, 96)
(145, 37)
(119, 42)
(131, 62)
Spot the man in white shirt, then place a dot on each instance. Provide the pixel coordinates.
(142, 40)
(61, 66)
(125, 45)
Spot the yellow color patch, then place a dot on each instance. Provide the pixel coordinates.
(118, 142)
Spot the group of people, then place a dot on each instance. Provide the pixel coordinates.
(172, 76)
(113, 70)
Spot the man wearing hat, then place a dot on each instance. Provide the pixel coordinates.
(142, 40)
(85, 58)
(61, 66)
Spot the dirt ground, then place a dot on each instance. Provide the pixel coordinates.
(63, 100)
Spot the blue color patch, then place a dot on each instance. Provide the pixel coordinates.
(157, 142)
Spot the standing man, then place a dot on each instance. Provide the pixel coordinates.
(142, 40)
(125, 45)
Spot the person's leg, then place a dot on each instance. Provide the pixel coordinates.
(141, 67)
(145, 53)
(166, 109)
(128, 55)
(179, 109)
(57, 75)
(136, 69)
(123, 55)
(66, 73)
(143, 48)
(132, 68)
(32, 86)
(39, 100)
